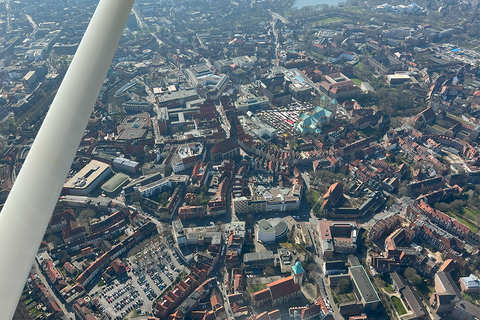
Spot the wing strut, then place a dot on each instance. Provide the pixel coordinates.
(34, 195)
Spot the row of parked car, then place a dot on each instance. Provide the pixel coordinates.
(149, 292)
(102, 309)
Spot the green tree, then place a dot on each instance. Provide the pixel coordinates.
(164, 196)
(86, 216)
(135, 196)
(343, 286)
(402, 192)
(63, 257)
(268, 272)
(412, 276)
(246, 297)
(442, 206)
(191, 188)
(457, 206)
(56, 240)
(168, 171)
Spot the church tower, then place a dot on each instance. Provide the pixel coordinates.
(297, 273)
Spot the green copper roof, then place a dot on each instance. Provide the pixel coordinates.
(297, 268)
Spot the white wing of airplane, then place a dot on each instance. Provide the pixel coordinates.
(26, 213)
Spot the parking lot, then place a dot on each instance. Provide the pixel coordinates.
(150, 272)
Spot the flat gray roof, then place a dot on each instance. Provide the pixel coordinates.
(363, 284)
(257, 256)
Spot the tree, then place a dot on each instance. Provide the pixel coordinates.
(246, 297)
(457, 205)
(168, 171)
(442, 206)
(402, 192)
(164, 196)
(191, 188)
(56, 240)
(291, 235)
(63, 257)
(343, 286)
(380, 283)
(412, 276)
(311, 267)
(268, 272)
(199, 200)
(86, 216)
(135, 196)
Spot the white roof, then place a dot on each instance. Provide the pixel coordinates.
(471, 282)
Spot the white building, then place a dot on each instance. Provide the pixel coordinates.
(87, 179)
(179, 233)
(187, 155)
(168, 182)
(125, 165)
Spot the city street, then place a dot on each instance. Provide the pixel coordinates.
(70, 314)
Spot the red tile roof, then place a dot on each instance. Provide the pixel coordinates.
(334, 192)
(283, 287)
(261, 295)
(275, 315)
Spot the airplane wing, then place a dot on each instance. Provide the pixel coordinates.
(30, 204)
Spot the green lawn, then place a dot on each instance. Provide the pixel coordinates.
(325, 21)
(358, 67)
(315, 196)
(399, 306)
(388, 288)
(355, 10)
(466, 222)
(256, 287)
(470, 214)
(425, 290)
(317, 208)
(358, 82)
(35, 312)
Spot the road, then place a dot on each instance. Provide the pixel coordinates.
(144, 26)
(277, 16)
(34, 25)
(9, 17)
(36, 267)
(221, 286)
(223, 121)
(319, 276)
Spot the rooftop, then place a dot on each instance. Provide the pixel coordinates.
(258, 256)
(297, 268)
(471, 282)
(115, 182)
(363, 284)
(134, 127)
(87, 175)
